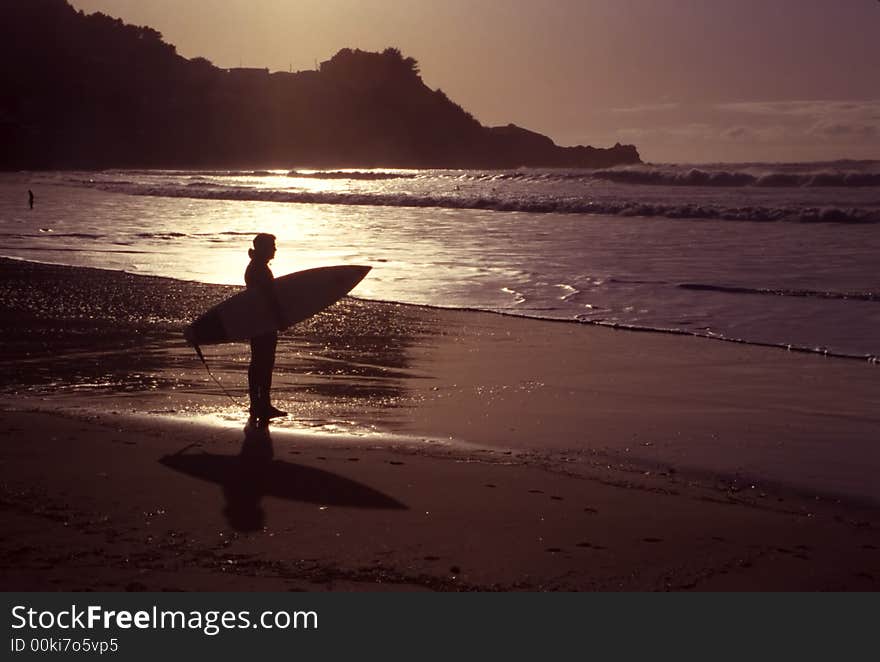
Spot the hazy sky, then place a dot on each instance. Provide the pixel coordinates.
(684, 80)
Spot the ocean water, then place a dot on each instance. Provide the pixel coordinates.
(779, 254)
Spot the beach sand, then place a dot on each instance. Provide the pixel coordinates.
(426, 450)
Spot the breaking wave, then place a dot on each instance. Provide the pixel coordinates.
(192, 173)
(734, 178)
(543, 204)
(836, 174)
(844, 174)
(345, 174)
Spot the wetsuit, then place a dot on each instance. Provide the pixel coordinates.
(259, 276)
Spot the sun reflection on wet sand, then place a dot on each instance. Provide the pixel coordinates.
(93, 342)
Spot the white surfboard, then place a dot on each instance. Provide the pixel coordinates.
(300, 295)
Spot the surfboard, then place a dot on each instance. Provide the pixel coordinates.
(300, 295)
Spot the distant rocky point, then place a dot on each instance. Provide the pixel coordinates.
(88, 91)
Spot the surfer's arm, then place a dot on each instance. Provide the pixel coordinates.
(261, 280)
(275, 306)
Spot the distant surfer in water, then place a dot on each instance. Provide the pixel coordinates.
(31, 198)
(258, 276)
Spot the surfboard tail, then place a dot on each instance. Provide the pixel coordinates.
(207, 330)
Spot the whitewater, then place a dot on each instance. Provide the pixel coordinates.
(776, 254)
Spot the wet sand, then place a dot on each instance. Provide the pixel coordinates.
(427, 450)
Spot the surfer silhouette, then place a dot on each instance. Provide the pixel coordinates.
(31, 198)
(258, 276)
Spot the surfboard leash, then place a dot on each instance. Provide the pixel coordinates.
(216, 381)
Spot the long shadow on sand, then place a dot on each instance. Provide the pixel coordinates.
(252, 474)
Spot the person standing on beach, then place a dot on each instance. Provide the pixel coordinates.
(258, 276)
(31, 198)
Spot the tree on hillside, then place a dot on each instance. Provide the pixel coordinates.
(409, 63)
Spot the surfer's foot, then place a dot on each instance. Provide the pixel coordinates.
(274, 412)
(260, 415)
(258, 422)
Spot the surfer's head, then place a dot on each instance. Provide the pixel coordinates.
(264, 247)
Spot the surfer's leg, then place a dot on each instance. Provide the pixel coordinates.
(271, 344)
(255, 377)
(260, 373)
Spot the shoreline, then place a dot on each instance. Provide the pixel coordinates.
(526, 455)
(390, 350)
(615, 326)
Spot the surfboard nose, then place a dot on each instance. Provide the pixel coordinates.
(356, 274)
(345, 277)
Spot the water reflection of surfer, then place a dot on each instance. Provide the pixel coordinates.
(259, 276)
